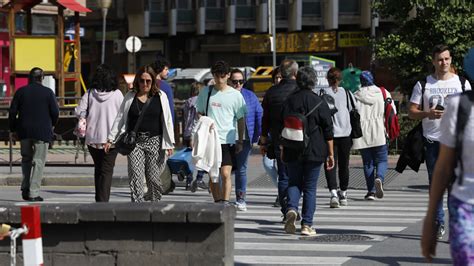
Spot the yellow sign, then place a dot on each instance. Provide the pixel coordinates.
(299, 42)
(353, 38)
(35, 52)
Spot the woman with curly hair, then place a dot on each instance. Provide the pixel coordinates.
(155, 136)
(99, 107)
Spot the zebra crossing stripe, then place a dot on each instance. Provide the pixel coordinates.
(298, 246)
(364, 228)
(290, 260)
(318, 218)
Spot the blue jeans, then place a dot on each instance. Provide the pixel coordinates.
(282, 181)
(431, 155)
(375, 164)
(303, 179)
(241, 160)
(270, 168)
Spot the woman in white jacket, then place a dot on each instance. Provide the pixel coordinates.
(155, 135)
(373, 143)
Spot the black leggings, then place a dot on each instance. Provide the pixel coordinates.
(342, 149)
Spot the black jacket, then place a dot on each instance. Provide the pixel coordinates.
(413, 154)
(272, 122)
(33, 112)
(319, 123)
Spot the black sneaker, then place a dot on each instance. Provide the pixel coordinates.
(370, 196)
(35, 199)
(194, 186)
(201, 184)
(277, 202)
(441, 231)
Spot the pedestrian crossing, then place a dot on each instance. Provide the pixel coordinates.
(261, 240)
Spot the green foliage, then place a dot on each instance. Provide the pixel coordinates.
(407, 50)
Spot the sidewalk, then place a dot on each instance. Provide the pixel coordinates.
(83, 176)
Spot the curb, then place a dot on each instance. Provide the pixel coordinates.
(117, 181)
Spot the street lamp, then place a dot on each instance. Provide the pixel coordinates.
(104, 5)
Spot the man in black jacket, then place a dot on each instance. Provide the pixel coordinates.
(272, 122)
(33, 113)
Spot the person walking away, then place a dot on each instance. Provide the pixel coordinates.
(342, 139)
(373, 143)
(456, 138)
(190, 115)
(252, 131)
(224, 105)
(155, 137)
(32, 116)
(272, 123)
(428, 105)
(270, 164)
(304, 165)
(99, 106)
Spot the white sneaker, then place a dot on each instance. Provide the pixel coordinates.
(241, 205)
(378, 188)
(334, 202)
(307, 231)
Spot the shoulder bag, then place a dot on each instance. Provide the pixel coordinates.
(127, 141)
(354, 115)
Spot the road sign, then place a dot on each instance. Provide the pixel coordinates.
(469, 63)
(133, 44)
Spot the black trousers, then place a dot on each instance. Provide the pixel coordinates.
(103, 170)
(342, 149)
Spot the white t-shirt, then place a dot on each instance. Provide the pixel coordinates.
(436, 92)
(465, 192)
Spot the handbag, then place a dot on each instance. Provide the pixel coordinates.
(354, 116)
(81, 126)
(127, 141)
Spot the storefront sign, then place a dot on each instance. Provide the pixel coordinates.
(353, 38)
(322, 66)
(299, 42)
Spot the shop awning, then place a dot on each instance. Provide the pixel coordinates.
(73, 5)
(27, 4)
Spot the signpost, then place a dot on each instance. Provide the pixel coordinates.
(133, 45)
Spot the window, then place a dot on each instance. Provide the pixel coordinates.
(351, 7)
(311, 8)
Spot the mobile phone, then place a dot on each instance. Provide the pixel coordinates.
(439, 107)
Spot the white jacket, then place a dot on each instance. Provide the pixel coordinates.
(371, 109)
(120, 123)
(207, 153)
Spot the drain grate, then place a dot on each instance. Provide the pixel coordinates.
(337, 238)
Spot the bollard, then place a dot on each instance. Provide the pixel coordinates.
(32, 241)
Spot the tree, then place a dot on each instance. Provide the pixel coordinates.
(407, 50)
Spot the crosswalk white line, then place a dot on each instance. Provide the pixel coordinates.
(365, 228)
(298, 246)
(290, 260)
(318, 218)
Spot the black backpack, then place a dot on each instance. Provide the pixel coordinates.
(329, 101)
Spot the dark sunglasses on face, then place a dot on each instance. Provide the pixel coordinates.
(145, 81)
(237, 81)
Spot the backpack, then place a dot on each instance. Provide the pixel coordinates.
(329, 101)
(295, 133)
(464, 112)
(392, 125)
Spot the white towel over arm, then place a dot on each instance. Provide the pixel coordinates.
(207, 153)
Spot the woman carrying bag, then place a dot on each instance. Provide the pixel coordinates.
(145, 112)
(98, 108)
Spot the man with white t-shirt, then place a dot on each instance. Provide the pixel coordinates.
(439, 85)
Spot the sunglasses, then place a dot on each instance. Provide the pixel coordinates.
(146, 81)
(237, 81)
